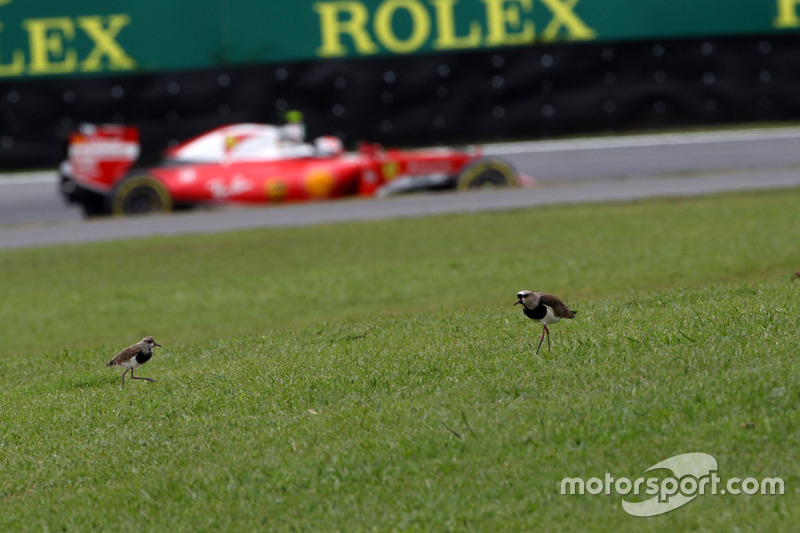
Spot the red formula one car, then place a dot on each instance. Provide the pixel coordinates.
(256, 164)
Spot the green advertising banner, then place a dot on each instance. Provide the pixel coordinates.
(90, 37)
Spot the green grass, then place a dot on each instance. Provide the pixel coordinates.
(376, 377)
(207, 287)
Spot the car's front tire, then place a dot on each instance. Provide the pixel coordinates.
(487, 173)
(140, 194)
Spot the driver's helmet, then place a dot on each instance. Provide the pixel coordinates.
(293, 133)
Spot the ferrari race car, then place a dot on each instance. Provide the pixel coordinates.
(256, 164)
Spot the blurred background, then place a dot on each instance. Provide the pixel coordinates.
(399, 72)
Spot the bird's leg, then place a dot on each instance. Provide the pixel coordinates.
(548, 338)
(541, 339)
(151, 380)
(123, 378)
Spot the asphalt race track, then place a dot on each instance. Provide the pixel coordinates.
(570, 171)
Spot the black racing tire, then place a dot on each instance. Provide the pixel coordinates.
(487, 173)
(94, 207)
(140, 194)
(92, 203)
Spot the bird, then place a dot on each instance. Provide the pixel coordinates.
(543, 308)
(134, 356)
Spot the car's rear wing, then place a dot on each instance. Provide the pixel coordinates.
(98, 155)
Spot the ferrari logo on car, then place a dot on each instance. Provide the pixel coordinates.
(390, 170)
(231, 141)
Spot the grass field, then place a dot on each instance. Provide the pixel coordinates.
(374, 376)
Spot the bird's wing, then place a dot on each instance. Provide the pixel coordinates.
(127, 354)
(559, 308)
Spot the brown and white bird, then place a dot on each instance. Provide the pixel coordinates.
(544, 308)
(135, 356)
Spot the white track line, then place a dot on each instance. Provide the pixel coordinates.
(23, 178)
(642, 141)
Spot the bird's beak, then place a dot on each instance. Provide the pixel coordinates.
(518, 301)
(158, 345)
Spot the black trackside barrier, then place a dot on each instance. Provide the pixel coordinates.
(437, 99)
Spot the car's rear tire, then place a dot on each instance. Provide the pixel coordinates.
(140, 194)
(487, 173)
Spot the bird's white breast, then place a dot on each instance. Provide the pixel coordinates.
(550, 317)
(130, 363)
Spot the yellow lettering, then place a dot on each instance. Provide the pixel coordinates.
(787, 14)
(504, 22)
(420, 25)
(564, 16)
(17, 65)
(105, 44)
(507, 23)
(445, 27)
(46, 37)
(333, 28)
